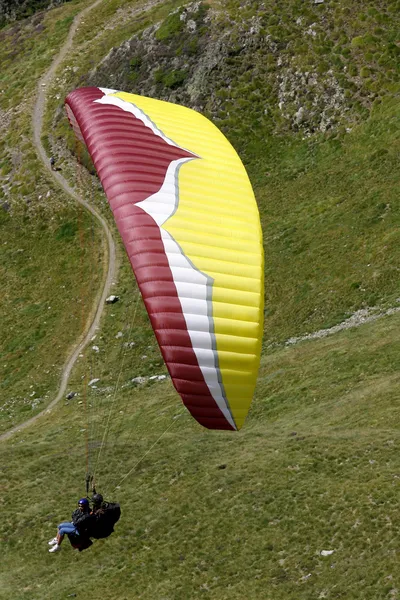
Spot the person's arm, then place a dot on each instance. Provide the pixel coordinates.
(77, 513)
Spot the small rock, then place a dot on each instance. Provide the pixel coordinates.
(299, 116)
(112, 299)
(327, 552)
(129, 344)
(71, 395)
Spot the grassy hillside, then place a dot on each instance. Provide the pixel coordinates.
(229, 517)
(51, 253)
(211, 514)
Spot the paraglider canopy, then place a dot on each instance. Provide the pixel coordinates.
(186, 212)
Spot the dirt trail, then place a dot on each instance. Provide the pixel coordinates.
(110, 268)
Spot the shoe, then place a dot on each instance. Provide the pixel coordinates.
(53, 541)
(55, 548)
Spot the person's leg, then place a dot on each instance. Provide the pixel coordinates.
(63, 528)
(54, 540)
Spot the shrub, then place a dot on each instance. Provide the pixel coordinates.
(358, 42)
(67, 231)
(365, 72)
(135, 63)
(171, 27)
(174, 79)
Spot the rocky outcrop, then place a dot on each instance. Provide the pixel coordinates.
(255, 69)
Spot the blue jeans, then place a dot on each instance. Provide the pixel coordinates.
(67, 527)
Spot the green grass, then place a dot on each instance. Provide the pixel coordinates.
(330, 215)
(50, 276)
(229, 516)
(51, 252)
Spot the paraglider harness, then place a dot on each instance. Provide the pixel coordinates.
(79, 542)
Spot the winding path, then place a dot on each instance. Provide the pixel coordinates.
(110, 269)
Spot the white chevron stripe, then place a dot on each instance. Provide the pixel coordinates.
(134, 110)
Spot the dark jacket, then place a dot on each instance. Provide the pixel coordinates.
(106, 517)
(84, 522)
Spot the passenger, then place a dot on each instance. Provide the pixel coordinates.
(79, 530)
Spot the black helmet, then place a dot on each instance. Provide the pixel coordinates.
(97, 499)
